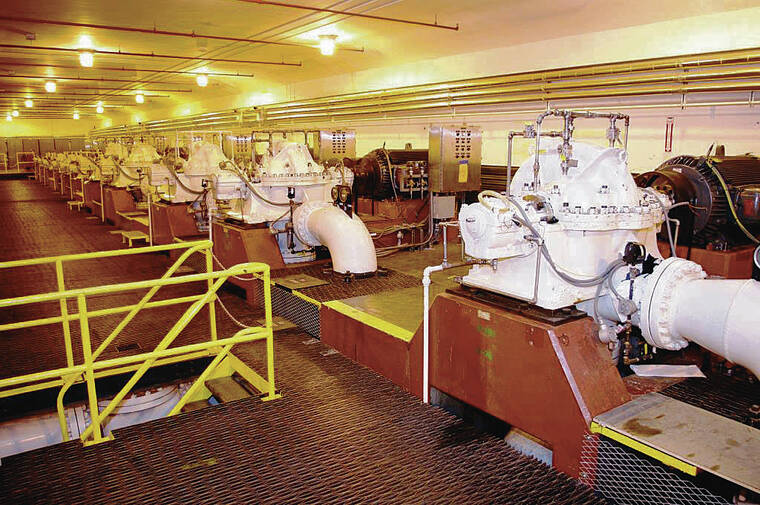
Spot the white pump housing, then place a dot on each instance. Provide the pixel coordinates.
(585, 218)
(264, 198)
(202, 165)
(134, 169)
(563, 247)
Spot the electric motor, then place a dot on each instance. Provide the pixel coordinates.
(723, 193)
(375, 172)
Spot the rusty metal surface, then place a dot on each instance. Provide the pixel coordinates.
(541, 378)
(341, 434)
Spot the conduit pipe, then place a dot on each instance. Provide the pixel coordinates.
(347, 238)
(154, 31)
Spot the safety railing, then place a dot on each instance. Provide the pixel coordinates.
(92, 368)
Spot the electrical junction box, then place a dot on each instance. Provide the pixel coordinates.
(444, 206)
(336, 144)
(454, 157)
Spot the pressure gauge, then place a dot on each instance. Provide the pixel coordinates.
(345, 194)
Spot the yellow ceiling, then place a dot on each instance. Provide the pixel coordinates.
(484, 24)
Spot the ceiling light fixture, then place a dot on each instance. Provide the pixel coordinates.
(14, 113)
(99, 109)
(76, 115)
(140, 98)
(327, 44)
(8, 117)
(28, 103)
(50, 86)
(86, 58)
(202, 80)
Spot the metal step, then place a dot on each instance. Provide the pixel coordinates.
(226, 389)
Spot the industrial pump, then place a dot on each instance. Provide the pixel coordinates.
(574, 229)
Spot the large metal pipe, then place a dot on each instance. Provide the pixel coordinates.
(347, 238)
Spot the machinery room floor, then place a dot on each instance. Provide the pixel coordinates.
(340, 434)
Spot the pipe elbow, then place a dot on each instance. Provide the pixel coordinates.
(350, 244)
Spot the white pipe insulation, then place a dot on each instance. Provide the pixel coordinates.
(347, 238)
(721, 315)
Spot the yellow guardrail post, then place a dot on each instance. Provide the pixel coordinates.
(180, 325)
(211, 306)
(92, 394)
(272, 392)
(59, 406)
(200, 381)
(145, 299)
(91, 368)
(64, 313)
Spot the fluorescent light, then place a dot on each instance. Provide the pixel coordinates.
(327, 44)
(28, 103)
(140, 98)
(86, 58)
(14, 113)
(202, 80)
(50, 86)
(76, 115)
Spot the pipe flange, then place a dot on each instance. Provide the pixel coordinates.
(658, 309)
(301, 220)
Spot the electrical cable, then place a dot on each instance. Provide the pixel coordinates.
(667, 220)
(176, 177)
(390, 171)
(253, 188)
(731, 203)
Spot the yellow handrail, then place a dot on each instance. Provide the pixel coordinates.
(91, 368)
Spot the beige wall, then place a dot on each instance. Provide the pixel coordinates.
(711, 32)
(21, 127)
(695, 129)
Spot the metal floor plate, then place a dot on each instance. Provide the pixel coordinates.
(726, 396)
(708, 441)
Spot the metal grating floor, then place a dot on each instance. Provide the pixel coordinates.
(341, 434)
(725, 396)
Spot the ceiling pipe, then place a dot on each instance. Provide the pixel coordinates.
(150, 55)
(155, 31)
(588, 81)
(453, 96)
(354, 14)
(717, 59)
(122, 69)
(98, 79)
(67, 86)
(39, 95)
